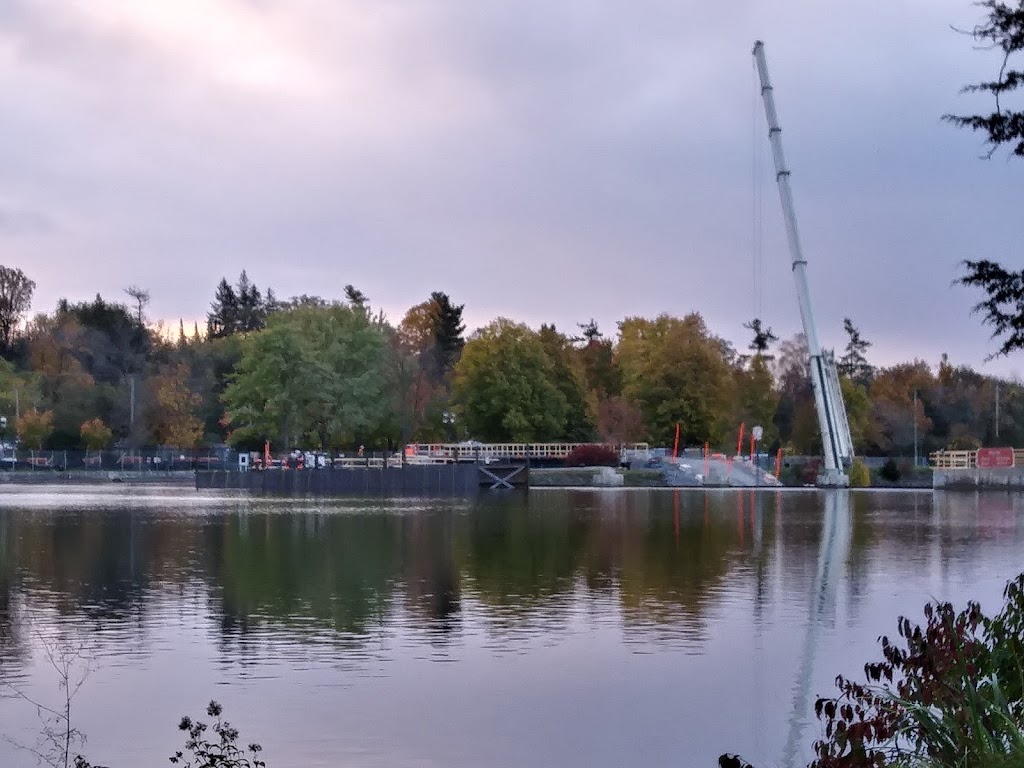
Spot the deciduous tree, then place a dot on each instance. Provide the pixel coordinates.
(34, 427)
(16, 291)
(505, 387)
(892, 401)
(570, 378)
(757, 398)
(676, 371)
(171, 408)
(96, 435)
(604, 378)
(315, 374)
(620, 421)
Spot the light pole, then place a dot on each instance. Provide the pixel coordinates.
(757, 434)
(448, 418)
(915, 429)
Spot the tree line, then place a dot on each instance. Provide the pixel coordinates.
(334, 374)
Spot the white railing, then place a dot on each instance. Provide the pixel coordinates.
(967, 459)
(493, 451)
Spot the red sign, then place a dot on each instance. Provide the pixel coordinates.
(995, 458)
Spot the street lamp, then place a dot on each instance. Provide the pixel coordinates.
(448, 418)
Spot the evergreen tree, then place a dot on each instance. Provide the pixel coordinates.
(591, 333)
(604, 380)
(251, 310)
(854, 365)
(1003, 30)
(763, 338)
(270, 303)
(357, 299)
(222, 320)
(181, 333)
(448, 332)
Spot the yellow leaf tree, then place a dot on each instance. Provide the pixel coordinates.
(171, 410)
(676, 371)
(96, 435)
(34, 427)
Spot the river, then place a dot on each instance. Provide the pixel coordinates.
(641, 628)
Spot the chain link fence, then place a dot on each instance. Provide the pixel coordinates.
(158, 460)
(154, 460)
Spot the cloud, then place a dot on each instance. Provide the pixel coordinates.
(19, 222)
(551, 161)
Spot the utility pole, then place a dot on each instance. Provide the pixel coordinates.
(131, 405)
(997, 410)
(915, 429)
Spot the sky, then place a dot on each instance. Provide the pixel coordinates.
(545, 160)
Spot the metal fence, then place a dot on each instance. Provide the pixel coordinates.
(165, 460)
(116, 461)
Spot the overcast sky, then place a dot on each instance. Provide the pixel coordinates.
(546, 160)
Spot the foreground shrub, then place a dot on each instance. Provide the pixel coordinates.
(948, 694)
(592, 456)
(202, 752)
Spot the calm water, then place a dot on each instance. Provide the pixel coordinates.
(621, 628)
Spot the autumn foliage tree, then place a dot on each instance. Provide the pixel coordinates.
(96, 435)
(34, 427)
(425, 348)
(674, 369)
(170, 412)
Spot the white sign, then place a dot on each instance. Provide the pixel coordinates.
(758, 433)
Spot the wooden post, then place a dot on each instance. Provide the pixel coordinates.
(675, 447)
(778, 464)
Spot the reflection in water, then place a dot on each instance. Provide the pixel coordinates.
(835, 540)
(580, 628)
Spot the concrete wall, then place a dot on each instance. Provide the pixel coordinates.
(94, 477)
(979, 479)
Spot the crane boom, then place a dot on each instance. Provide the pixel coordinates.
(828, 396)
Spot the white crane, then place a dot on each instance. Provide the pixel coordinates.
(828, 397)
